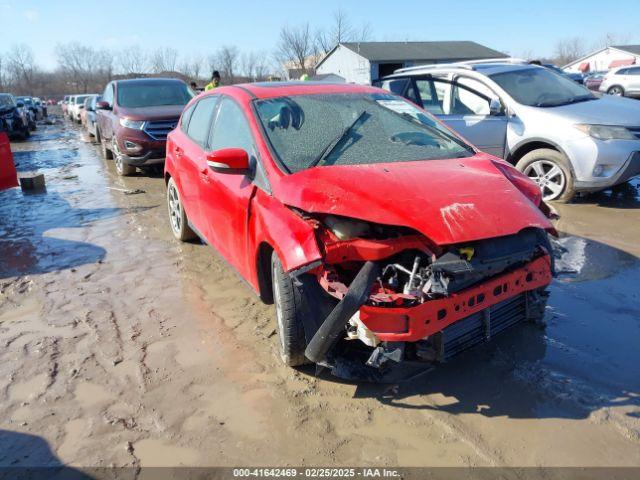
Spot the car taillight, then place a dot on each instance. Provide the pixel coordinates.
(527, 187)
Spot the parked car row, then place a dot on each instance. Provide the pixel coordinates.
(17, 118)
(358, 213)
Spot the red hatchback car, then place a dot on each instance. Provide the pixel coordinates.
(365, 220)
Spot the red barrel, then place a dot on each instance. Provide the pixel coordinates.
(8, 175)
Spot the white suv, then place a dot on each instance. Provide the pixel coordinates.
(552, 129)
(622, 81)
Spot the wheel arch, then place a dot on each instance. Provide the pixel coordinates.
(531, 144)
(263, 271)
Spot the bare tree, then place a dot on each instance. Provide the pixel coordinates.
(21, 66)
(228, 57)
(341, 30)
(3, 74)
(568, 50)
(612, 39)
(164, 59)
(295, 46)
(192, 67)
(77, 63)
(132, 60)
(103, 68)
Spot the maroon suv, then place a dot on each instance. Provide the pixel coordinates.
(134, 118)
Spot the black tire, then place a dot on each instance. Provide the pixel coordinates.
(616, 90)
(561, 193)
(106, 153)
(289, 309)
(122, 168)
(178, 220)
(96, 139)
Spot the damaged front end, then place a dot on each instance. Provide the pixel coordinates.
(398, 296)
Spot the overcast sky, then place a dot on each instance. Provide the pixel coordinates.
(515, 27)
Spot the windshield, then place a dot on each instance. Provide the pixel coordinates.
(6, 101)
(350, 129)
(79, 100)
(25, 100)
(540, 87)
(154, 94)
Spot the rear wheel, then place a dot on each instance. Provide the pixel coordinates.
(288, 302)
(616, 90)
(551, 171)
(177, 216)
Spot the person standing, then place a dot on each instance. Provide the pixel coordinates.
(215, 81)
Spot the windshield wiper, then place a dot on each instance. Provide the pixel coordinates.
(331, 146)
(584, 98)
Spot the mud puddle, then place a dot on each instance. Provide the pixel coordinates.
(123, 347)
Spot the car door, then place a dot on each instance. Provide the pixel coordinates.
(105, 116)
(190, 158)
(633, 76)
(225, 198)
(464, 105)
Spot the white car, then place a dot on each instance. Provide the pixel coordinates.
(622, 81)
(76, 104)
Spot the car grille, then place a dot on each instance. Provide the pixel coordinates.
(635, 131)
(159, 129)
(483, 325)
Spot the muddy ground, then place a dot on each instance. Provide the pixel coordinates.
(120, 346)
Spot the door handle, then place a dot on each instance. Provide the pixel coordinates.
(177, 151)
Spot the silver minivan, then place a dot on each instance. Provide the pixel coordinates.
(552, 129)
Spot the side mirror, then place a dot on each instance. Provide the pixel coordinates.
(103, 106)
(229, 160)
(495, 107)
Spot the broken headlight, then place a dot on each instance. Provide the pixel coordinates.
(523, 183)
(346, 228)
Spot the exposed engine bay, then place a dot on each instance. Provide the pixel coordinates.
(402, 296)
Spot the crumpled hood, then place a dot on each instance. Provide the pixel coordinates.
(448, 201)
(606, 110)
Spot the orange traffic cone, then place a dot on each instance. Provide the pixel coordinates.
(8, 175)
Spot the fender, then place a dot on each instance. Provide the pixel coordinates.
(292, 238)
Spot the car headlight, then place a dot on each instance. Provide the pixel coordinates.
(606, 132)
(134, 124)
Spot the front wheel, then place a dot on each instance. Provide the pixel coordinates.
(289, 310)
(106, 153)
(177, 216)
(123, 169)
(550, 169)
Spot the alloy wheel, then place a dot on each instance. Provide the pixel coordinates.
(174, 209)
(549, 177)
(616, 91)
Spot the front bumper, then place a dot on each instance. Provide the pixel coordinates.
(410, 324)
(152, 157)
(619, 160)
(148, 152)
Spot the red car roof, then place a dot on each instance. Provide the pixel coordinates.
(280, 89)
